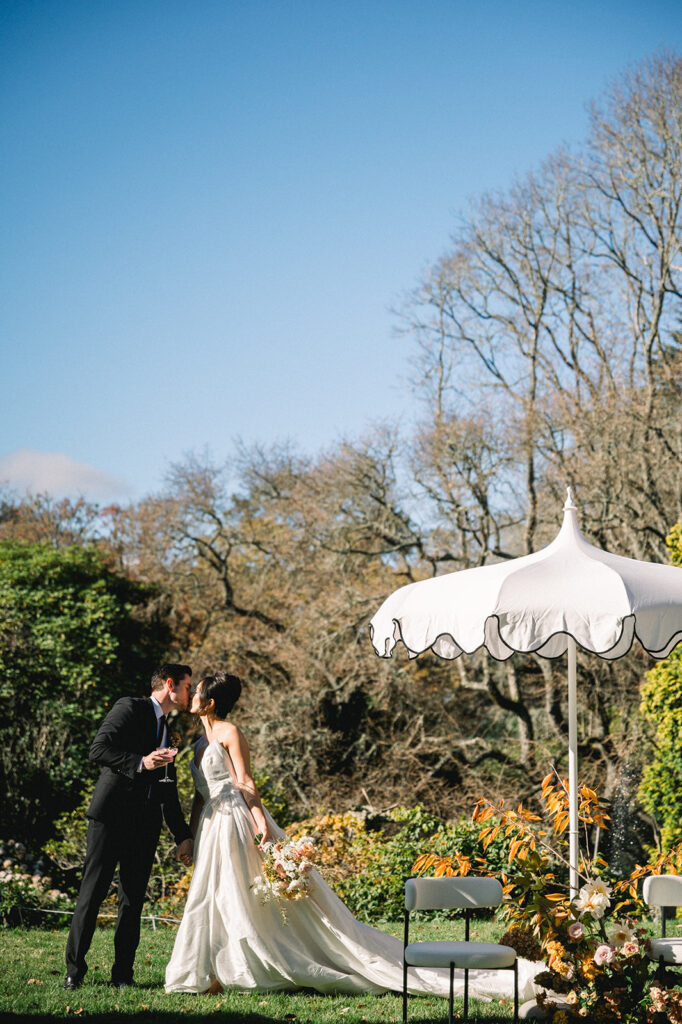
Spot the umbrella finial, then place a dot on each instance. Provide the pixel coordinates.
(569, 500)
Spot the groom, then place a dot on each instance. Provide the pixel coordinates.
(125, 818)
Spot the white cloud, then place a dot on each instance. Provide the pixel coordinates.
(59, 475)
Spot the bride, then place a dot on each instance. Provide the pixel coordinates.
(229, 938)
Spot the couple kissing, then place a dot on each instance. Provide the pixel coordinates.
(229, 937)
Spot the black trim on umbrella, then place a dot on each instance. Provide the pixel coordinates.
(517, 650)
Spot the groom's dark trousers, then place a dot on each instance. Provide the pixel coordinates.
(125, 817)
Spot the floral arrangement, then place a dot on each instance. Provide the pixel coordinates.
(286, 871)
(597, 968)
(600, 973)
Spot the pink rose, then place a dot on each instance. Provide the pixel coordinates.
(604, 954)
(630, 948)
(576, 930)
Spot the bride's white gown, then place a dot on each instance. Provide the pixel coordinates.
(228, 934)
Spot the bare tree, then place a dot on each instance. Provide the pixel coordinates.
(555, 314)
(548, 355)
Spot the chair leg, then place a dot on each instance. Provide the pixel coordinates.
(516, 992)
(466, 993)
(404, 992)
(452, 984)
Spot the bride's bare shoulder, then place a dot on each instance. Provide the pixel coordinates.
(230, 734)
(228, 731)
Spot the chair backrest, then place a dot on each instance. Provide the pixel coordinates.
(663, 890)
(451, 893)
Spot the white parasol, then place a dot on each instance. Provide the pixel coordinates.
(569, 593)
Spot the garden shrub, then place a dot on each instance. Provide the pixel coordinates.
(368, 867)
(661, 786)
(27, 891)
(75, 636)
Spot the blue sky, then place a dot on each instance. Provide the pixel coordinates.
(210, 209)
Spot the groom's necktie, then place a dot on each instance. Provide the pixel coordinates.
(160, 730)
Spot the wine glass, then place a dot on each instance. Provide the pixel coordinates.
(171, 751)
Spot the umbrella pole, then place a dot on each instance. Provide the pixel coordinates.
(573, 851)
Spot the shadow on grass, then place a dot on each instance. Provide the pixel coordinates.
(242, 1015)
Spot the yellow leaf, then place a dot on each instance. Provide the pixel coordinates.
(513, 848)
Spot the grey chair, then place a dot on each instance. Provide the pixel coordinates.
(467, 894)
(664, 891)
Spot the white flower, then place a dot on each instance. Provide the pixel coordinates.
(593, 898)
(621, 933)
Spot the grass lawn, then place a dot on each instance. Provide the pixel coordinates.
(33, 973)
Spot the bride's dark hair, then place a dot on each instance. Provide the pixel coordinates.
(224, 689)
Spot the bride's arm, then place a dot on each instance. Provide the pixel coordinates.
(238, 749)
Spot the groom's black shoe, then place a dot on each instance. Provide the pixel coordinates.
(121, 984)
(70, 982)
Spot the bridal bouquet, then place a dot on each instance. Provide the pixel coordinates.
(286, 870)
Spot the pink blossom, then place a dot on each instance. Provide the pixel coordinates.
(576, 930)
(658, 998)
(630, 948)
(604, 954)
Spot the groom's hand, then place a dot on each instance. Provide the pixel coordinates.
(184, 852)
(157, 759)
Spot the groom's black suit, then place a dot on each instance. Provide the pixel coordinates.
(125, 821)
